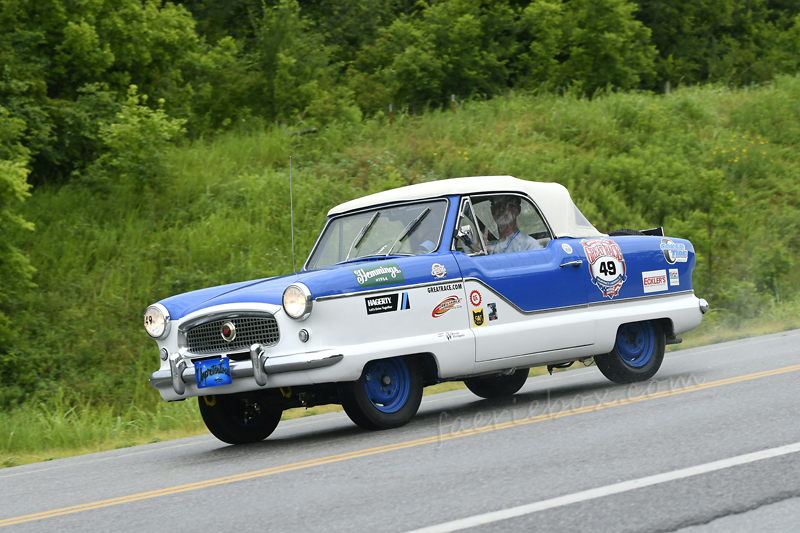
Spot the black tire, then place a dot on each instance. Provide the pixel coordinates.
(238, 418)
(620, 232)
(637, 355)
(498, 386)
(370, 407)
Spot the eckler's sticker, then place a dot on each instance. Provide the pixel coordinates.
(373, 276)
(674, 279)
(492, 311)
(475, 298)
(478, 318)
(654, 281)
(438, 271)
(606, 265)
(674, 253)
(567, 248)
(451, 302)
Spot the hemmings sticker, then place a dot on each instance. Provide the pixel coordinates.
(451, 334)
(386, 303)
(492, 311)
(384, 274)
(475, 298)
(566, 247)
(478, 317)
(451, 302)
(673, 277)
(674, 253)
(606, 265)
(654, 281)
(448, 288)
(438, 271)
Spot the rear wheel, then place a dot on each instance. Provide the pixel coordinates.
(637, 355)
(498, 386)
(238, 418)
(387, 395)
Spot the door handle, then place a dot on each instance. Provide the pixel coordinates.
(573, 263)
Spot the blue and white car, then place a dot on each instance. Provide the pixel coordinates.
(470, 279)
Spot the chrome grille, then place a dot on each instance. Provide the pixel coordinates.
(207, 339)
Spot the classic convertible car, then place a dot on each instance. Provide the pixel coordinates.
(472, 279)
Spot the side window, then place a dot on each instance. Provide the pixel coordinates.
(509, 223)
(468, 236)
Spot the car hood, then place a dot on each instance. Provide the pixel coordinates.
(344, 278)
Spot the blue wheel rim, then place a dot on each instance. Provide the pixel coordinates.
(636, 343)
(387, 383)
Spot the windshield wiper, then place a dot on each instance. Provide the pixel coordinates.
(409, 228)
(362, 234)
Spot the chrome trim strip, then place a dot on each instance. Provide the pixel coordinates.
(638, 298)
(389, 289)
(162, 379)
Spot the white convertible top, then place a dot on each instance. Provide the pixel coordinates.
(553, 200)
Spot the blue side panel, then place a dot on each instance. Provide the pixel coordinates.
(532, 280)
(645, 262)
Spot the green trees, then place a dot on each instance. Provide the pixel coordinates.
(588, 44)
(15, 268)
(66, 68)
(733, 41)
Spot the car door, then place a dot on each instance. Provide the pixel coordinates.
(525, 295)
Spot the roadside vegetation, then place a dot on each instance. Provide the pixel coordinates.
(145, 151)
(712, 164)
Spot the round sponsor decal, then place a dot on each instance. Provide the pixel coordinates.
(606, 265)
(475, 298)
(567, 248)
(451, 302)
(438, 271)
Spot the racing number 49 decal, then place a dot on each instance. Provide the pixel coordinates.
(606, 265)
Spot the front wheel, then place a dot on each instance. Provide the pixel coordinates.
(238, 418)
(637, 355)
(386, 396)
(497, 386)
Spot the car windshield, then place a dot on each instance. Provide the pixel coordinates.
(406, 229)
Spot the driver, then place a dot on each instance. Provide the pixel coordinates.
(505, 210)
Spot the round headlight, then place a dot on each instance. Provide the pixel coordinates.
(297, 301)
(156, 321)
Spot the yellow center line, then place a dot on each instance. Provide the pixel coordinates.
(383, 449)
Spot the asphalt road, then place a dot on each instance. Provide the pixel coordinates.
(711, 444)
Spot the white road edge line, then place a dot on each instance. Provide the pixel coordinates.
(617, 488)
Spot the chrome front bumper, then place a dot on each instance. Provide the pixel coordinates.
(258, 367)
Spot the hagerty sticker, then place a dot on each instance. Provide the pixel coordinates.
(374, 276)
(451, 302)
(387, 303)
(606, 265)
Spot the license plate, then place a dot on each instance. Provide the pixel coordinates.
(212, 372)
